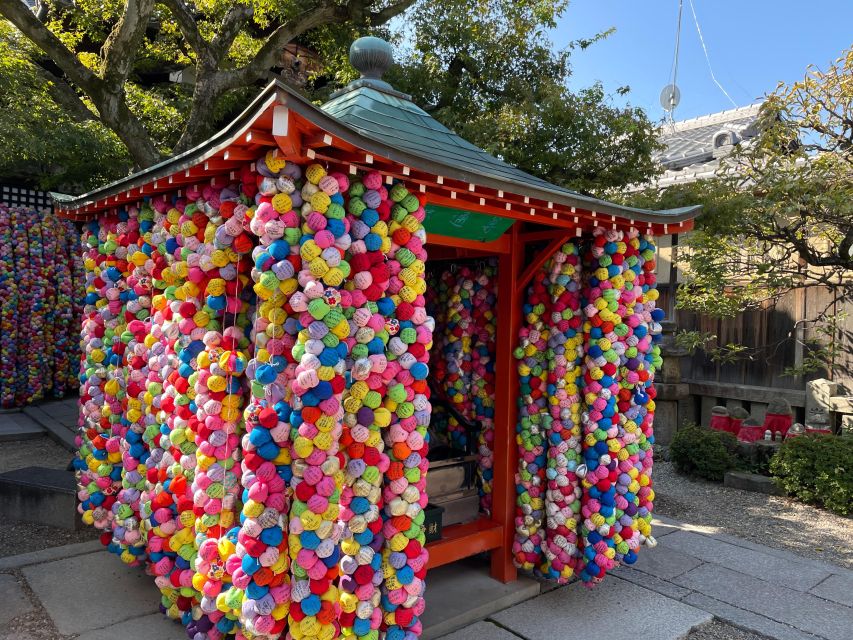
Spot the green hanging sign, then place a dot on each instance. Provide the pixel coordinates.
(459, 223)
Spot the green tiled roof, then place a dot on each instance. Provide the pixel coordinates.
(390, 118)
(401, 123)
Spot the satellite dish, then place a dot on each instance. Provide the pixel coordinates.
(670, 97)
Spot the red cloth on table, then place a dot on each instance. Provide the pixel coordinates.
(778, 422)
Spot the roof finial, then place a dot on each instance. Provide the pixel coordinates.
(372, 56)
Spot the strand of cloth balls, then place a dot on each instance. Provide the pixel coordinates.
(20, 250)
(65, 272)
(436, 297)
(42, 305)
(565, 349)
(366, 411)
(533, 420)
(187, 224)
(314, 530)
(127, 534)
(102, 480)
(218, 405)
(404, 555)
(35, 307)
(150, 262)
(484, 302)
(39, 311)
(158, 504)
(91, 452)
(8, 309)
(267, 470)
(617, 422)
(459, 331)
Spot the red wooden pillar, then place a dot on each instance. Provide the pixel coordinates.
(506, 397)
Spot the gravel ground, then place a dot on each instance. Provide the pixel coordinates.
(34, 625)
(22, 537)
(719, 630)
(38, 452)
(781, 523)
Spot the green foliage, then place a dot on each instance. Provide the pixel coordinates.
(779, 214)
(484, 68)
(817, 469)
(701, 452)
(40, 138)
(495, 79)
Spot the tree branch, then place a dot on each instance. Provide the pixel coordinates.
(120, 49)
(378, 18)
(228, 30)
(20, 15)
(65, 96)
(188, 26)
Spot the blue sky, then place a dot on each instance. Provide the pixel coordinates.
(753, 44)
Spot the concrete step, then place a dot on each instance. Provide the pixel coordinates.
(16, 425)
(58, 419)
(463, 592)
(38, 494)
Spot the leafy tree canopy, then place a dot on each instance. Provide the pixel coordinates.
(97, 75)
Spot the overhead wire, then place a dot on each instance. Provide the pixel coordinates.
(707, 57)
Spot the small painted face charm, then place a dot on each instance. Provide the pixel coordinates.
(392, 326)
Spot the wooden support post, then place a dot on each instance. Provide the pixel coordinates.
(506, 397)
(533, 268)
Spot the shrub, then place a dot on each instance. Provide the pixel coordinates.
(702, 452)
(817, 469)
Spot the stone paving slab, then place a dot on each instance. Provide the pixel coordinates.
(662, 526)
(462, 593)
(665, 563)
(569, 613)
(155, 626)
(48, 555)
(836, 588)
(13, 600)
(658, 585)
(747, 619)
(59, 419)
(18, 426)
(798, 575)
(801, 610)
(782, 554)
(91, 591)
(483, 630)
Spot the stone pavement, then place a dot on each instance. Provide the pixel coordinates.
(55, 418)
(693, 575)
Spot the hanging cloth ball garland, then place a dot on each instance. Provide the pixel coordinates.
(93, 472)
(549, 432)
(127, 532)
(366, 408)
(218, 402)
(404, 555)
(532, 425)
(100, 454)
(8, 309)
(41, 301)
(166, 488)
(264, 571)
(317, 415)
(617, 422)
(484, 299)
(563, 492)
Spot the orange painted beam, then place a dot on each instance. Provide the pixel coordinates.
(463, 540)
